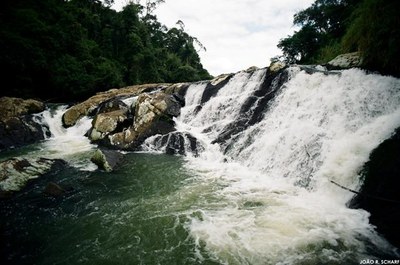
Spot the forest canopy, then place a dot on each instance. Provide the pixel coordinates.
(331, 27)
(62, 50)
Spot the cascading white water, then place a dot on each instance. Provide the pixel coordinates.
(69, 144)
(268, 198)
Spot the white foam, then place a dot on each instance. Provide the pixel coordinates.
(69, 144)
(269, 199)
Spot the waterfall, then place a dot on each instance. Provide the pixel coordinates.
(267, 158)
(70, 143)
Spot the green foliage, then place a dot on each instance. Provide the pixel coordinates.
(375, 32)
(328, 52)
(68, 50)
(321, 25)
(331, 27)
(302, 45)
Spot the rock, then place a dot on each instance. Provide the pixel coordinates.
(20, 131)
(214, 86)
(54, 190)
(177, 89)
(18, 125)
(251, 69)
(16, 172)
(253, 109)
(379, 193)
(180, 143)
(151, 107)
(112, 105)
(153, 115)
(126, 140)
(73, 114)
(106, 159)
(177, 143)
(276, 66)
(112, 116)
(312, 69)
(345, 61)
(108, 122)
(220, 78)
(15, 107)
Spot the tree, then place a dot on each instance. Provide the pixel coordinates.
(67, 50)
(375, 33)
(322, 24)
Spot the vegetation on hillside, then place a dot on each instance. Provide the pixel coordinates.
(331, 27)
(70, 49)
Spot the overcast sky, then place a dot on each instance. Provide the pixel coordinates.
(236, 33)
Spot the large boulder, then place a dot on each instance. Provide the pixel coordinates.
(15, 173)
(89, 106)
(18, 124)
(153, 115)
(105, 123)
(345, 61)
(16, 107)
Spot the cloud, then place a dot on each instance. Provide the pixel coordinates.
(237, 33)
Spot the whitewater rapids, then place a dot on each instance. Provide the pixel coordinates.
(264, 195)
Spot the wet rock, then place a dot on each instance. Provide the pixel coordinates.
(54, 190)
(105, 123)
(254, 108)
(106, 159)
(178, 143)
(214, 86)
(177, 89)
(18, 125)
(154, 112)
(379, 194)
(15, 107)
(73, 114)
(112, 116)
(153, 115)
(15, 173)
(111, 105)
(312, 69)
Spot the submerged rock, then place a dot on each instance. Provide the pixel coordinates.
(15, 173)
(54, 190)
(106, 159)
(18, 125)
